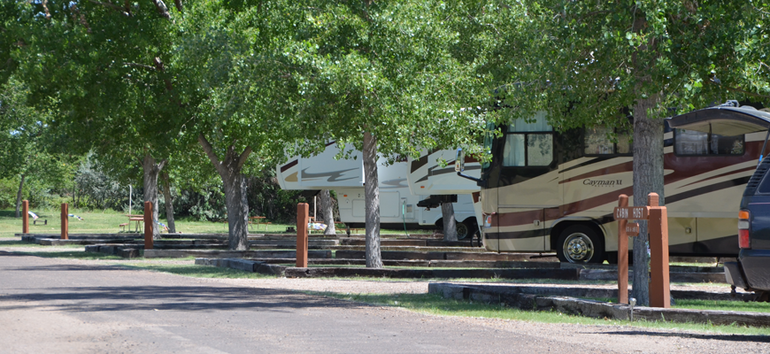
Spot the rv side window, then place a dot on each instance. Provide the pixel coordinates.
(599, 141)
(528, 143)
(695, 143)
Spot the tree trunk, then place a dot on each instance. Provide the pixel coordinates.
(169, 203)
(648, 178)
(18, 195)
(327, 212)
(372, 197)
(450, 224)
(151, 172)
(229, 170)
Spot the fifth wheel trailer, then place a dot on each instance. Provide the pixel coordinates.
(345, 176)
(427, 177)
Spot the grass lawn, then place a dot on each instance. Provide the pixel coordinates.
(437, 305)
(108, 222)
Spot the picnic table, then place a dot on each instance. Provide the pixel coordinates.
(258, 220)
(136, 219)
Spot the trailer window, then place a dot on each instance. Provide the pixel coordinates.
(599, 141)
(695, 143)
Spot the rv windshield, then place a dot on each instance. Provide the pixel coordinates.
(489, 137)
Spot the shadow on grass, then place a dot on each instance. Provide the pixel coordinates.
(17, 243)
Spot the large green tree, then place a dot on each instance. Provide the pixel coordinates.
(389, 79)
(590, 63)
(102, 66)
(237, 68)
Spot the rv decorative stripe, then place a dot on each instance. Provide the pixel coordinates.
(588, 163)
(707, 189)
(517, 235)
(622, 167)
(289, 165)
(753, 168)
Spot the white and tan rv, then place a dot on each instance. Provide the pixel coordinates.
(551, 191)
(398, 206)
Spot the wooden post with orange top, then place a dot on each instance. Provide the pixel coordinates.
(65, 222)
(148, 225)
(25, 217)
(303, 209)
(660, 295)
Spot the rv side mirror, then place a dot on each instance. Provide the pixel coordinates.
(460, 160)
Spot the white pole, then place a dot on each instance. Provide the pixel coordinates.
(130, 197)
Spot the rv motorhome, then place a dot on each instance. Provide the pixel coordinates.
(398, 207)
(551, 191)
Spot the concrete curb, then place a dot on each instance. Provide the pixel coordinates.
(244, 265)
(158, 253)
(534, 298)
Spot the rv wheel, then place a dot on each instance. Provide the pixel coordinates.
(580, 244)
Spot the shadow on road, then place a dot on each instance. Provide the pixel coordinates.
(179, 298)
(724, 337)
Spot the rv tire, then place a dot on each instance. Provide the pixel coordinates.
(580, 244)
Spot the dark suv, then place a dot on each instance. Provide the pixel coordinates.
(752, 270)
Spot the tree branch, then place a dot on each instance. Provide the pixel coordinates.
(735, 89)
(178, 4)
(210, 153)
(162, 9)
(244, 156)
(45, 8)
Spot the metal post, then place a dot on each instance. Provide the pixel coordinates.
(622, 254)
(660, 295)
(130, 198)
(302, 219)
(65, 222)
(148, 225)
(25, 217)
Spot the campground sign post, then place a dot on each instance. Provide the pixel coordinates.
(657, 217)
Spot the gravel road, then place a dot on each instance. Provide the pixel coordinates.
(28, 323)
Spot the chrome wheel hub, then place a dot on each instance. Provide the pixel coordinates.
(578, 248)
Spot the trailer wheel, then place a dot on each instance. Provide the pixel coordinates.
(462, 230)
(580, 244)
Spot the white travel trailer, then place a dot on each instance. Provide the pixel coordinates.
(428, 178)
(550, 191)
(398, 207)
